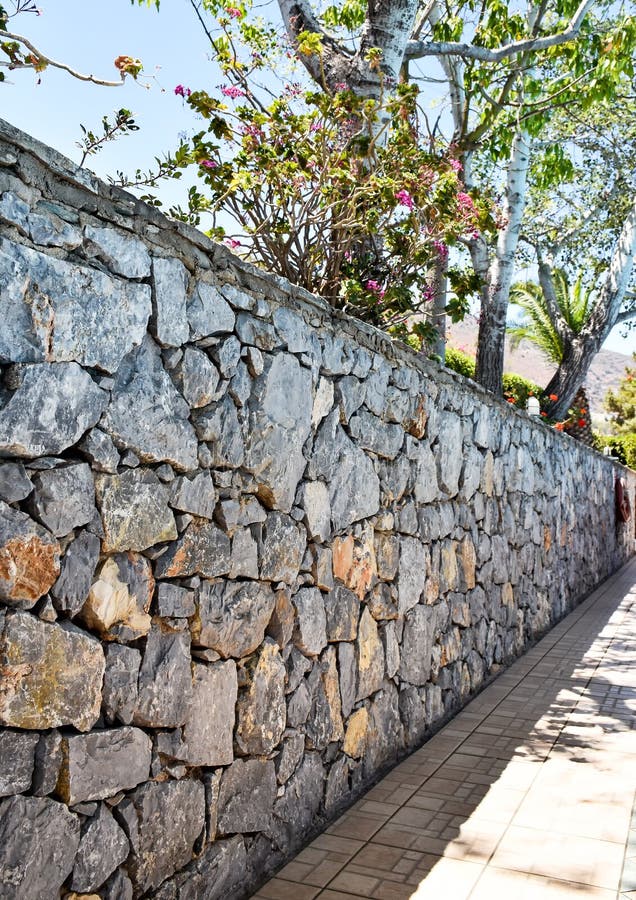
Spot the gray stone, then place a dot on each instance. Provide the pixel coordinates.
(240, 386)
(292, 330)
(372, 434)
(219, 425)
(350, 394)
(51, 231)
(118, 887)
(14, 211)
(208, 312)
(251, 330)
(218, 874)
(412, 573)
(280, 422)
(387, 555)
(29, 558)
(165, 680)
(38, 842)
(322, 567)
(297, 810)
(15, 485)
(162, 821)
(199, 378)
(203, 549)
(170, 325)
(196, 496)
(377, 386)
(323, 401)
(17, 752)
(426, 489)
(342, 610)
(282, 548)
(174, 601)
(299, 706)
(355, 489)
(347, 666)
(100, 450)
(417, 645)
(134, 509)
(381, 602)
(53, 674)
(290, 755)
(102, 763)
(48, 761)
(119, 599)
(50, 411)
(310, 632)
(147, 414)
(297, 666)
(103, 846)
(324, 722)
(391, 646)
(119, 695)
(208, 729)
(55, 311)
(123, 253)
(337, 356)
(228, 355)
(232, 617)
(384, 734)
(247, 795)
(449, 454)
(255, 362)
(315, 502)
(244, 563)
(370, 656)
(261, 710)
(64, 498)
(76, 574)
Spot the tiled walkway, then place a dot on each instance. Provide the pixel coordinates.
(526, 794)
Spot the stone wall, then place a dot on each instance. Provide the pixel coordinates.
(251, 552)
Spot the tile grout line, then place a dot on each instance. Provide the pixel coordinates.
(596, 597)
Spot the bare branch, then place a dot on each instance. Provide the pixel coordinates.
(420, 49)
(40, 57)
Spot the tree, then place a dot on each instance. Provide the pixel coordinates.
(622, 403)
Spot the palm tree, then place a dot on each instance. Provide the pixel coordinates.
(572, 306)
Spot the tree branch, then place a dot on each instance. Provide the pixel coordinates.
(40, 57)
(420, 49)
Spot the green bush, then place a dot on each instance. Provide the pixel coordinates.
(516, 389)
(623, 447)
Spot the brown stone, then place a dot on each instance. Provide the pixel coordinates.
(387, 554)
(354, 562)
(547, 538)
(202, 550)
(416, 425)
(261, 709)
(507, 595)
(449, 571)
(113, 600)
(468, 559)
(331, 684)
(29, 558)
(355, 741)
(451, 647)
(281, 625)
(342, 557)
(370, 656)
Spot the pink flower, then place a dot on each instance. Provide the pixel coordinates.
(232, 92)
(315, 126)
(232, 243)
(465, 203)
(182, 91)
(375, 288)
(404, 199)
(428, 294)
(234, 13)
(341, 86)
(455, 165)
(209, 164)
(441, 249)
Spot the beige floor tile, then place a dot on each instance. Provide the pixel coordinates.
(501, 884)
(449, 878)
(570, 858)
(278, 889)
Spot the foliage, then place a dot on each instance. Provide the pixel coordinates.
(622, 446)
(516, 388)
(93, 142)
(460, 362)
(622, 404)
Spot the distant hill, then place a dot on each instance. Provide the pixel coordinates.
(605, 372)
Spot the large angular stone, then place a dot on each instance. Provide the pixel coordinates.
(208, 312)
(355, 740)
(282, 548)
(52, 674)
(203, 550)
(165, 679)
(342, 609)
(372, 434)
(55, 311)
(354, 489)
(426, 488)
(198, 378)
(135, 511)
(232, 618)
(162, 821)
(102, 763)
(310, 632)
(354, 561)
(169, 322)
(218, 874)
(209, 727)
(38, 843)
(17, 761)
(449, 454)
(64, 497)
(324, 723)
(417, 645)
(315, 502)
(48, 761)
(73, 403)
(297, 809)
(29, 558)
(103, 846)
(123, 253)
(15, 484)
(261, 710)
(119, 695)
(370, 656)
(348, 669)
(197, 496)
(76, 573)
(280, 422)
(247, 796)
(220, 427)
(147, 414)
(412, 573)
(119, 599)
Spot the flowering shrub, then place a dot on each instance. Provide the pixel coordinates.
(336, 192)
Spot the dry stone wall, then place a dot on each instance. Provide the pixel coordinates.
(251, 552)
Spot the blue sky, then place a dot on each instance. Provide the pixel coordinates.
(88, 35)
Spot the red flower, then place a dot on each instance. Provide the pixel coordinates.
(581, 423)
(553, 397)
(559, 426)
(544, 414)
(510, 399)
